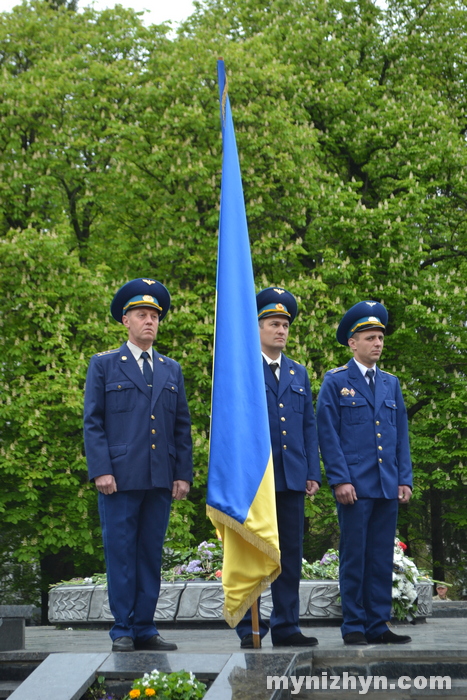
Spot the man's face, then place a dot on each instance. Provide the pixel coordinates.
(142, 324)
(273, 333)
(367, 346)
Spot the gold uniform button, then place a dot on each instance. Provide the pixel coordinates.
(119, 386)
(281, 405)
(377, 422)
(124, 357)
(353, 403)
(153, 447)
(292, 371)
(153, 417)
(378, 434)
(285, 447)
(153, 431)
(380, 459)
(161, 359)
(173, 388)
(284, 432)
(301, 389)
(379, 447)
(283, 419)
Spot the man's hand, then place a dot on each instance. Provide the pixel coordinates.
(180, 489)
(311, 487)
(106, 484)
(345, 494)
(404, 494)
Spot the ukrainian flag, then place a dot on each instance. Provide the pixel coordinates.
(240, 497)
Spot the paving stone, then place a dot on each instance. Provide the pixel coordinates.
(437, 645)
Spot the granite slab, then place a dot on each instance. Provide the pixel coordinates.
(61, 676)
(244, 677)
(136, 664)
(11, 633)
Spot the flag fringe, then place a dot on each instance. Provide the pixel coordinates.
(234, 618)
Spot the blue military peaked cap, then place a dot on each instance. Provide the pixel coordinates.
(275, 301)
(140, 292)
(362, 317)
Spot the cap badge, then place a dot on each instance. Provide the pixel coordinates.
(373, 319)
(149, 281)
(280, 307)
(147, 297)
(279, 291)
(371, 303)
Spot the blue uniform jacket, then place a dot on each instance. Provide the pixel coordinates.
(363, 437)
(139, 434)
(292, 425)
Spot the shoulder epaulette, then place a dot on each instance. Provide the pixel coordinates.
(338, 369)
(107, 352)
(390, 373)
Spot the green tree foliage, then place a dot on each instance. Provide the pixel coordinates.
(350, 123)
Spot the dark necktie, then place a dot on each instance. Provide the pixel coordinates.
(370, 373)
(274, 366)
(147, 371)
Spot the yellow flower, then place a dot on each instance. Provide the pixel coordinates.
(150, 691)
(135, 693)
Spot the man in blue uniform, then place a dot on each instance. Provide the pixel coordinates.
(364, 442)
(296, 464)
(138, 449)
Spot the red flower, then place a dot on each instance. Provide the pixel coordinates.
(218, 574)
(402, 545)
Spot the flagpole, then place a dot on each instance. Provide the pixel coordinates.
(255, 625)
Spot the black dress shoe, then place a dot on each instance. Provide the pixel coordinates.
(155, 643)
(247, 642)
(123, 644)
(297, 640)
(390, 637)
(354, 638)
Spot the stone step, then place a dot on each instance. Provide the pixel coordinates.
(7, 688)
(396, 673)
(16, 670)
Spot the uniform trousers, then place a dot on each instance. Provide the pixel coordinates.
(366, 555)
(284, 621)
(134, 524)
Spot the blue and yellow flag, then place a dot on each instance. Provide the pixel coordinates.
(241, 497)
